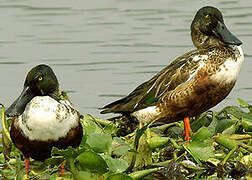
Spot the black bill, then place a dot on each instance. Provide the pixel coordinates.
(18, 106)
(222, 32)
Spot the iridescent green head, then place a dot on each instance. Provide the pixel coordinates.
(40, 81)
(208, 29)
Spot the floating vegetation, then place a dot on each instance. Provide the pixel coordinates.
(220, 148)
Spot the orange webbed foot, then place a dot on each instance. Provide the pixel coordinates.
(62, 168)
(187, 128)
(27, 162)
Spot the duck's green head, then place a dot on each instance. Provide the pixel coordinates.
(40, 81)
(208, 29)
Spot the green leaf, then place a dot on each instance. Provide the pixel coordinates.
(89, 125)
(201, 150)
(120, 147)
(202, 134)
(225, 141)
(119, 176)
(224, 124)
(92, 162)
(201, 147)
(236, 112)
(116, 165)
(121, 150)
(99, 142)
(213, 124)
(231, 130)
(247, 160)
(247, 124)
(156, 142)
(203, 120)
(83, 175)
(110, 128)
(70, 152)
(242, 103)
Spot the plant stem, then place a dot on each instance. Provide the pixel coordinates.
(72, 166)
(240, 136)
(140, 174)
(228, 155)
(5, 124)
(230, 143)
(174, 143)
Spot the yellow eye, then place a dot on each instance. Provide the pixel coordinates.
(207, 16)
(40, 78)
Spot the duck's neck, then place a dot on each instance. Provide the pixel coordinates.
(55, 95)
(200, 40)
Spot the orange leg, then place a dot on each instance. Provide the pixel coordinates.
(62, 168)
(187, 128)
(27, 162)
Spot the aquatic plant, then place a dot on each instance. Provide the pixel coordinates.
(221, 147)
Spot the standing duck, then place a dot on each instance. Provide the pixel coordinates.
(41, 119)
(192, 83)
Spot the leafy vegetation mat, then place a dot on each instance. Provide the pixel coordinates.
(221, 147)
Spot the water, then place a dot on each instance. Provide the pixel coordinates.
(101, 50)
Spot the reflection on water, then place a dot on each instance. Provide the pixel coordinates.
(101, 51)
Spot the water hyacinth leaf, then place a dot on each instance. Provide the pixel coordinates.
(53, 161)
(156, 142)
(247, 124)
(213, 124)
(116, 165)
(119, 176)
(242, 103)
(225, 141)
(92, 162)
(201, 150)
(247, 160)
(203, 120)
(236, 112)
(67, 153)
(110, 128)
(201, 147)
(202, 134)
(121, 150)
(83, 175)
(89, 125)
(224, 124)
(118, 140)
(231, 130)
(120, 147)
(99, 142)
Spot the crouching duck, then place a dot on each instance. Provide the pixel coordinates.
(192, 83)
(41, 118)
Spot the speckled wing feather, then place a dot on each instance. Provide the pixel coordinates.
(148, 93)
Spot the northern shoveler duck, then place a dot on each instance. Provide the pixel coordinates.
(192, 83)
(41, 118)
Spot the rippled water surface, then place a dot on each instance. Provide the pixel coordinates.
(101, 50)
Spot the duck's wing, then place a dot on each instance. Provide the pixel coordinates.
(180, 71)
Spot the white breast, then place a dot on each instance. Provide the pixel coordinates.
(231, 68)
(46, 119)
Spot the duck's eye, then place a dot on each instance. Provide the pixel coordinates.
(207, 16)
(40, 78)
